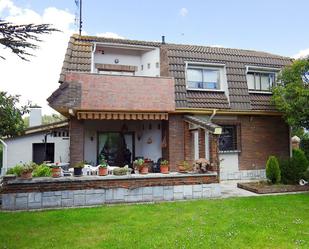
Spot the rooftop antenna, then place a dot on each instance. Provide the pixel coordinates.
(78, 4)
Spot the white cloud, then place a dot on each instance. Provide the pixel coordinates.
(216, 46)
(183, 12)
(302, 54)
(37, 79)
(110, 35)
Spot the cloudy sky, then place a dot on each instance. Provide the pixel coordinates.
(279, 27)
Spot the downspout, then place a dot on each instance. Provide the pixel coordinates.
(214, 112)
(94, 47)
(4, 159)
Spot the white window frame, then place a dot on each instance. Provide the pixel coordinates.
(265, 70)
(196, 144)
(211, 66)
(207, 148)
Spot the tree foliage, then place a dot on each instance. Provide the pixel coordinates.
(11, 121)
(20, 38)
(291, 95)
(273, 173)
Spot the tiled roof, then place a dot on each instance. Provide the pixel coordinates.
(78, 58)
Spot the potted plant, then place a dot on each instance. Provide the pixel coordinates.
(78, 168)
(103, 168)
(164, 167)
(26, 171)
(183, 167)
(140, 164)
(55, 170)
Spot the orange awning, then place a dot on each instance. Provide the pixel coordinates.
(121, 115)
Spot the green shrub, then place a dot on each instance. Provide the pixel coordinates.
(306, 176)
(304, 145)
(273, 173)
(293, 169)
(42, 171)
(16, 170)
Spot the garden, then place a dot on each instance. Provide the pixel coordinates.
(261, 222)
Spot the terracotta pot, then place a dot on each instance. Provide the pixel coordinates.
(181, 169)
(56, 172)
(27, 175)
(143, 170)
(164, 169)
(103, 171)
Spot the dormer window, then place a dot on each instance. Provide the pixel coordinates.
(204, 77)
(261, 79)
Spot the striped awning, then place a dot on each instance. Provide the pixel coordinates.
(121, 115)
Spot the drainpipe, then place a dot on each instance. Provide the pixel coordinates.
(4, 159)
(94, 47)
(214, 112)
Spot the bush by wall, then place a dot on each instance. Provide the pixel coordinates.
(304, 145)
(293, 169)
(42, 171)
(273, 173)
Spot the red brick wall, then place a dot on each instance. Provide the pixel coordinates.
(76, 141)
(260, 138)
(176, 140)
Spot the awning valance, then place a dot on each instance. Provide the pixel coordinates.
(204, 124)
(121, 115)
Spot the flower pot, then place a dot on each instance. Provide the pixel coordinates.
(181, 169)
(78, 171)
(26, 175)
(103, 171)
(56, 172)
(164, 169)
(143, 170)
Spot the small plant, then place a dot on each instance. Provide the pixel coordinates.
(139, 163)
(273, 173)
(28, 168)
(42, 171)
(121, 171)
(164, 162)
(16, 170)
(184, 166)
(79, 165)
(103, 164)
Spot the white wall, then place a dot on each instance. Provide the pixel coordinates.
(20, 148)
(130, 57)
(142, 148)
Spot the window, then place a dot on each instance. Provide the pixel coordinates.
(142, 67)
(260, 81)
(116, 72)
(157, 64)
(148, 65)
(203, 78)
(228, 138)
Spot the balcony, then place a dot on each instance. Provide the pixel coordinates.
(97, 93)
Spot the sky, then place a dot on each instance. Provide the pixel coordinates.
(275, 26)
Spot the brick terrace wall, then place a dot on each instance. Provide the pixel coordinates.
(76, 141)
(262, 136)
(176, 140)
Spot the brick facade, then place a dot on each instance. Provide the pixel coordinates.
(262, 136)
(77, 131)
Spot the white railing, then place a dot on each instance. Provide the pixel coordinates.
(4, 157)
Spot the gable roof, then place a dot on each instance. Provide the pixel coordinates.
(78, 58)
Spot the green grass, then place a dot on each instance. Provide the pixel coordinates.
(253, 222)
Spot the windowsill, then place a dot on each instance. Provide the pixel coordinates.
(261, 92)
(229, 151)
(205, 90)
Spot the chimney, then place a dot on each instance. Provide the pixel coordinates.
(163, 39)
(35, 118)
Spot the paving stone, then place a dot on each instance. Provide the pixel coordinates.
(158, 192)
(178, 189)
(119, 193)
(34, 197)
(79, 199)
(21, 202)
(197, 194)
(109, 194)
(148, 198)
(197, 188)
(136, 191)
(67, 194)
(21, 194)
(187, 191)
(168, 194)
(50, 193)
(98, 191)
(34, 205)
(51, 201)
(147, 190)
(95, 199)
(8, 201)
(79, 192)
(206, 193)
(178, 196)
(67, 203)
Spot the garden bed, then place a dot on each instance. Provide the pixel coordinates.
(266, 188)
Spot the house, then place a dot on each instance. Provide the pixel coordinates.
(40, 142)
(127, 99)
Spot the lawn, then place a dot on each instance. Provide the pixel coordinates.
(253, 222)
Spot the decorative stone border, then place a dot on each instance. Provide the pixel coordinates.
(268, 189)
(89, 197)
(258, 174)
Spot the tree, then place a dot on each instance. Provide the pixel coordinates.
(21, 38)
(11, 121)
(291, 95)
